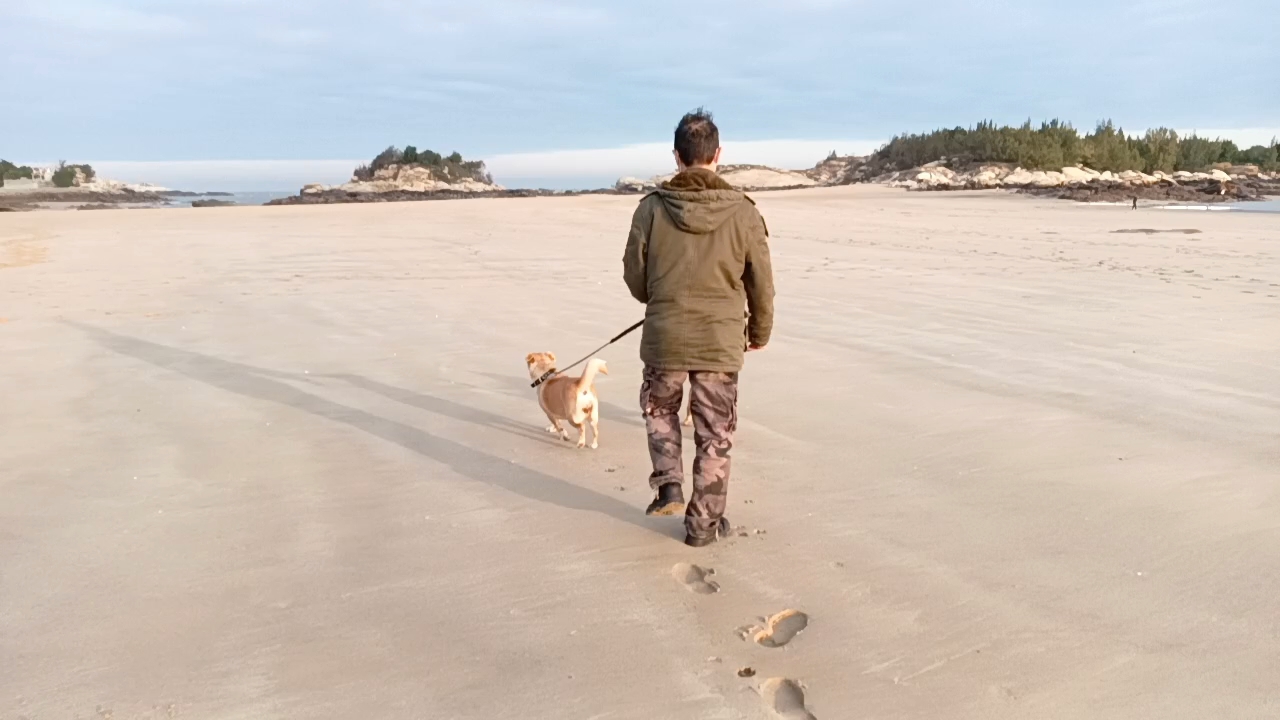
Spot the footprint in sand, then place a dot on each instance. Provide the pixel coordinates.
(777, 630)
(695, 579)
(786, 698)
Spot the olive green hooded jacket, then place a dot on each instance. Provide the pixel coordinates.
(698, 252)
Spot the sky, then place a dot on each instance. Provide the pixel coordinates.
(270, 94)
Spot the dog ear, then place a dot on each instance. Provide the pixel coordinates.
(604, 368)
(551, 357)
(528, 359)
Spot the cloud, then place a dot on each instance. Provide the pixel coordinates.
(196, 79)
(98, 18)
(291, 36)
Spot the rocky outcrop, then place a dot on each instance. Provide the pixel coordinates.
(42, 181)
(419, 181)
(116, 186)
(86, 190)
(319, 195)
(406, 179)
(760, 177)
(840, 170)
(1198, 191)
(1085, 182)
(80, 195)
(634, 185)
(748, 178)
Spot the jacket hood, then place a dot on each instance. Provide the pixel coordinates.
(698, 201)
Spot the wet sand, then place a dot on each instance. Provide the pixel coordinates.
(283, 462)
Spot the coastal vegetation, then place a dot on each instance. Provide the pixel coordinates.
(447, 168)
(1056, 144)
(64, 175)
(9, 171)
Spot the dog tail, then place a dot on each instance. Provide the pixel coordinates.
(594, 365)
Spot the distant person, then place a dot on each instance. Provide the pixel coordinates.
(697, 252)
(1135, 202)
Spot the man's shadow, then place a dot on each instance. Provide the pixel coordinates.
(259, 384)
(519, 387)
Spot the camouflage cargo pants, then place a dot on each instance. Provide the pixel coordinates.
(713, 400)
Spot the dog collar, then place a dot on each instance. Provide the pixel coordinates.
(545, 377)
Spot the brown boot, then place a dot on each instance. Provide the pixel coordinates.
(668, 501)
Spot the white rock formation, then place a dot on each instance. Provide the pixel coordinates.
(991, 176)
(837, 169)
(937, 176)
(1019, 177)
(404, 178)
(116, 186)
(43, 181)
(762, 178)
(1053, 178)
(633, 184)
(1077, 175)
(742, 177)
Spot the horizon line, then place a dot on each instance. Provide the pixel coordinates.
(1265, 133)
(554, 167)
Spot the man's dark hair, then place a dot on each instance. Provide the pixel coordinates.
(697, 138)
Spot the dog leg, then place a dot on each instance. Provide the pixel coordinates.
(595, 426)
(555, 429)
(580, 417)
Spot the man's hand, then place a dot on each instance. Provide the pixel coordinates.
(752, 347)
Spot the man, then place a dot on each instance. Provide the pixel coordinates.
(697, 252)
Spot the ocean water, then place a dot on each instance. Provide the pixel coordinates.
(1270, 205)
(239, 198)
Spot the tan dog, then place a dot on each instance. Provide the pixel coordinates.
(567, 398)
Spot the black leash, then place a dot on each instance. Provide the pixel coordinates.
(552, 373)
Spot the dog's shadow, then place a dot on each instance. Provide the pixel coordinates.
(267, 385)
(448, 408)
(519, 387)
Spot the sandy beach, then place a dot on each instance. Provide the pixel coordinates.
(1013, 458)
